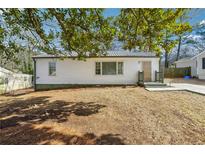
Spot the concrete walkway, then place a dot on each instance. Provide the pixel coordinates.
(181, 86)
(190, 87)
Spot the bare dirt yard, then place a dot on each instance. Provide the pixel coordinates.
(108, 115)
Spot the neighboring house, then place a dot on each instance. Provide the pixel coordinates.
(10, 81)
(197, 64)
(187, 62)
(117, 67)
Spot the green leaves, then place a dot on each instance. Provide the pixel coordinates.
(136, 28)
(87, 31)
(81, 30)
(182, 28)
(84, 30)
(150, 29)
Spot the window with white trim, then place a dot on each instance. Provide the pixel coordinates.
(97, 68)
(109, 68)
(120, 68)
(52, 69)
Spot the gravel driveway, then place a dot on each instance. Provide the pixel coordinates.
(103, 115)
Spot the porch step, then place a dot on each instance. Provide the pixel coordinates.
(157, 86)
(154, 85)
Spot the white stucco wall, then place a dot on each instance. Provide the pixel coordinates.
(69, 71)
(200, 71)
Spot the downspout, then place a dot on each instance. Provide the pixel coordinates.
(161, 69)
(34, 74)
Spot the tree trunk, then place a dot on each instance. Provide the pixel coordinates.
(166, 60)
(179, 47)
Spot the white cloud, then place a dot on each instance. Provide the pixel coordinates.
(202, 22)
(194, 37)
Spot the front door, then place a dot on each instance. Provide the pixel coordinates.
(146, 67)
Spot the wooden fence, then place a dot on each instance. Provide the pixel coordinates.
(177, 72)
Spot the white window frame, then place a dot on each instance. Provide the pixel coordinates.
(122, 67)
(49, 68)
(109, 74)
(100, 68)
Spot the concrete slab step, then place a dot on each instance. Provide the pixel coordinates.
(165, 89)
(154, 84)
(159, 86)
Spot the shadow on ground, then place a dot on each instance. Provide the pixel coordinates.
(39, 109)
(19, 92)
(26, 134)
(19, 116)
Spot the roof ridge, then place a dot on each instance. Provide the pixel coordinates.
(110, 53)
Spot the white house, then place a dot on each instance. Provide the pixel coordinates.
(197, 64)
(116, 68)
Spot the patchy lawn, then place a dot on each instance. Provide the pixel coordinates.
(111, 115)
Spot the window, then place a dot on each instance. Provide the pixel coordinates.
(52, 68)
(97, 68)
(120, 67)
(109, 68)
(203, 63)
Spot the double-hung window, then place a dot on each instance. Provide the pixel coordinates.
(52, 68)
(108, 68)
(120, 68)
(97, 68)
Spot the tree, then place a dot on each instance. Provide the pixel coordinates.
(87, 31)
(168, 43)
(60, 31)
(144, 28)
(197, 40)
(182, 28)
(150, 29)
(14, 53)
(27, 32)
(172, 30)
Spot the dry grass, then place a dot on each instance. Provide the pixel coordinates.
(111, 115)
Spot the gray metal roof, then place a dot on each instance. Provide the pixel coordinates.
(124, 53)
(130, 54)
(183, 60)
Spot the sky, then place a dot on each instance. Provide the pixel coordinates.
(111, 12)
(197, 14)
